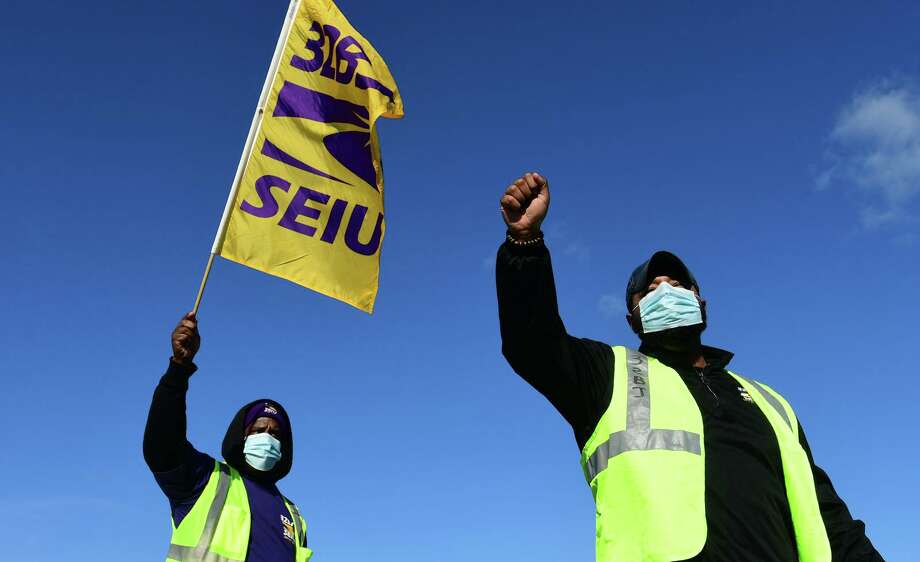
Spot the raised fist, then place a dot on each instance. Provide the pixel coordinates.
(185, 339)
(524, 205)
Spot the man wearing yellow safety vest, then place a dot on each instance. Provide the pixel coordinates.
(223, 511)
(686, 459)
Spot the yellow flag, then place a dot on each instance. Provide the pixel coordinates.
(309, 206)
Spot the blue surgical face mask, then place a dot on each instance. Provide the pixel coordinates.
(669, 307)
(262, 451)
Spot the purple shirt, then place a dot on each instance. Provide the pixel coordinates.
(271, 538)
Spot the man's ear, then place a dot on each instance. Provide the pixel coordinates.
(702, 302)
(632, 325)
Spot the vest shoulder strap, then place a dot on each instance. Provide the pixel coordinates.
(200, 550)
(632, 403)
(298, 521)
(774, 399)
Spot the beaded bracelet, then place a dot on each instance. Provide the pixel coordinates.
(531, 242)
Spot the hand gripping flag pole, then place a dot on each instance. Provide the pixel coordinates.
(247, 147)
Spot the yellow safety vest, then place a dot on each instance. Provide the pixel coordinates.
(645, 464)
(217, 527)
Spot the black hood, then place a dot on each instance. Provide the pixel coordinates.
(232, 448)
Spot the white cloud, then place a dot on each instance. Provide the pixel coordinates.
(611, 305)
(559, 237)
(577, 250)
(875, 146)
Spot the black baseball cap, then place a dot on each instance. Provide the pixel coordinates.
(661, 263)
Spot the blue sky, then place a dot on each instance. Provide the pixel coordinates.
(775, 148)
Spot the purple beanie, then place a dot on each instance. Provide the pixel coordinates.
(264, 410)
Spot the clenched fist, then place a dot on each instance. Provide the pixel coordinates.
(185, 339)
(524, 205)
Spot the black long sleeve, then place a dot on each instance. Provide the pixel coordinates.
(573, 374)
(165, 443)
(745, 515)
(848, 539)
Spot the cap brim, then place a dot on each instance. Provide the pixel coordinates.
(666, 263)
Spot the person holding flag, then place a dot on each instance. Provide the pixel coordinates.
(230, 510)
(686, 459)
(305, 204)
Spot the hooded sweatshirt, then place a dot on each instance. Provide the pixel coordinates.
(182, 472)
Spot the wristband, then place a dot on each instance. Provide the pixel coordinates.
(523, 243)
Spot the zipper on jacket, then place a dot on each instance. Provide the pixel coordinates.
(705, 382)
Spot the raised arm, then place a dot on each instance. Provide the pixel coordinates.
(166, 449)
(573, 374)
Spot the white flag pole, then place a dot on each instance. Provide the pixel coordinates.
(250, 139)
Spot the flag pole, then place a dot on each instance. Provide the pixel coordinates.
(247, 147)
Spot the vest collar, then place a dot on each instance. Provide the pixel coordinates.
(716, 359)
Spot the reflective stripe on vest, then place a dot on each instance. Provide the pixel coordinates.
(302, 551)
(770, 398)
(639, 435)
(650, 497)
(298, 528)
(810, 534)
(218, 526)
(650, 501)
(199, 552)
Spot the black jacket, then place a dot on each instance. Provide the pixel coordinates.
(183, 472)
(166, 447)
(746, 506)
